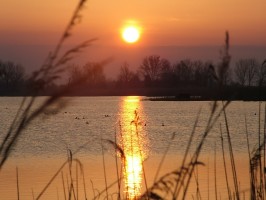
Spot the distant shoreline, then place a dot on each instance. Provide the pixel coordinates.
(165, 94)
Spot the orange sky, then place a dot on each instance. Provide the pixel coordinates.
(171, 22)
(29, 29)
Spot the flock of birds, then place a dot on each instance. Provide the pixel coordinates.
(78, 118)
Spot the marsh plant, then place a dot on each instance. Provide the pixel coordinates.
(52, 70)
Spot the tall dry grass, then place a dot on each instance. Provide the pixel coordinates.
(51, 70)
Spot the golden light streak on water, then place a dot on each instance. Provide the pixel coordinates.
(133, 142)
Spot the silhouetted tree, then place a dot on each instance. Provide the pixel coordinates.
(245, 71)
(126, 77)
(167, 73)
(95, 74)
(201, 73)
(92, 71)
(74, 73)
(252, 70)
(183, 71)
(261, 74)
(11, 74)
(151, 68)
(240, 71)
(192, 72)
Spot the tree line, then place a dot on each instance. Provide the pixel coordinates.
(154, 72)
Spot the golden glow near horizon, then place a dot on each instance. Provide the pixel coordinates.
(167, 23)
(133, 142)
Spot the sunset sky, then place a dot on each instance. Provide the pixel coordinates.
(163, 23)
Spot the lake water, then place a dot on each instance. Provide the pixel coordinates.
(143, 129)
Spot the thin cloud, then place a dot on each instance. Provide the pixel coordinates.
(178, 19)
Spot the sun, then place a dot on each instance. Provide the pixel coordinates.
(131, 34)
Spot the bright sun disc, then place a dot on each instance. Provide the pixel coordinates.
(131, 34)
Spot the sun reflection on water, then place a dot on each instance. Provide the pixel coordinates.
(134, 144)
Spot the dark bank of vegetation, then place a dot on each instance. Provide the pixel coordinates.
(182, 80)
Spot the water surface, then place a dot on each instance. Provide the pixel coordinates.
(142, 128)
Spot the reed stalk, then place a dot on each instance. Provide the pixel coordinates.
(177, 186)
(32, 193)
(18, 196)
(173, 182)
(163, 158)
(225, 168)
(122, 148)
(264, 149)
(252, 183)
(261, 190)
(120, 151)
(100, 193)
(57, 193)
(196, 155)
(56, 175)
(231, 155)
(84, 186)
(77, 181)
(63, 183)
(68, 185)
(104, 169)
(136, 123)
(215, 174)
(50, 71)
(70, 161)
(117, 170)
(93, 190)
(208, 178)
(196, 175)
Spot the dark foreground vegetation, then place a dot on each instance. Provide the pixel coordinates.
(156, 76)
